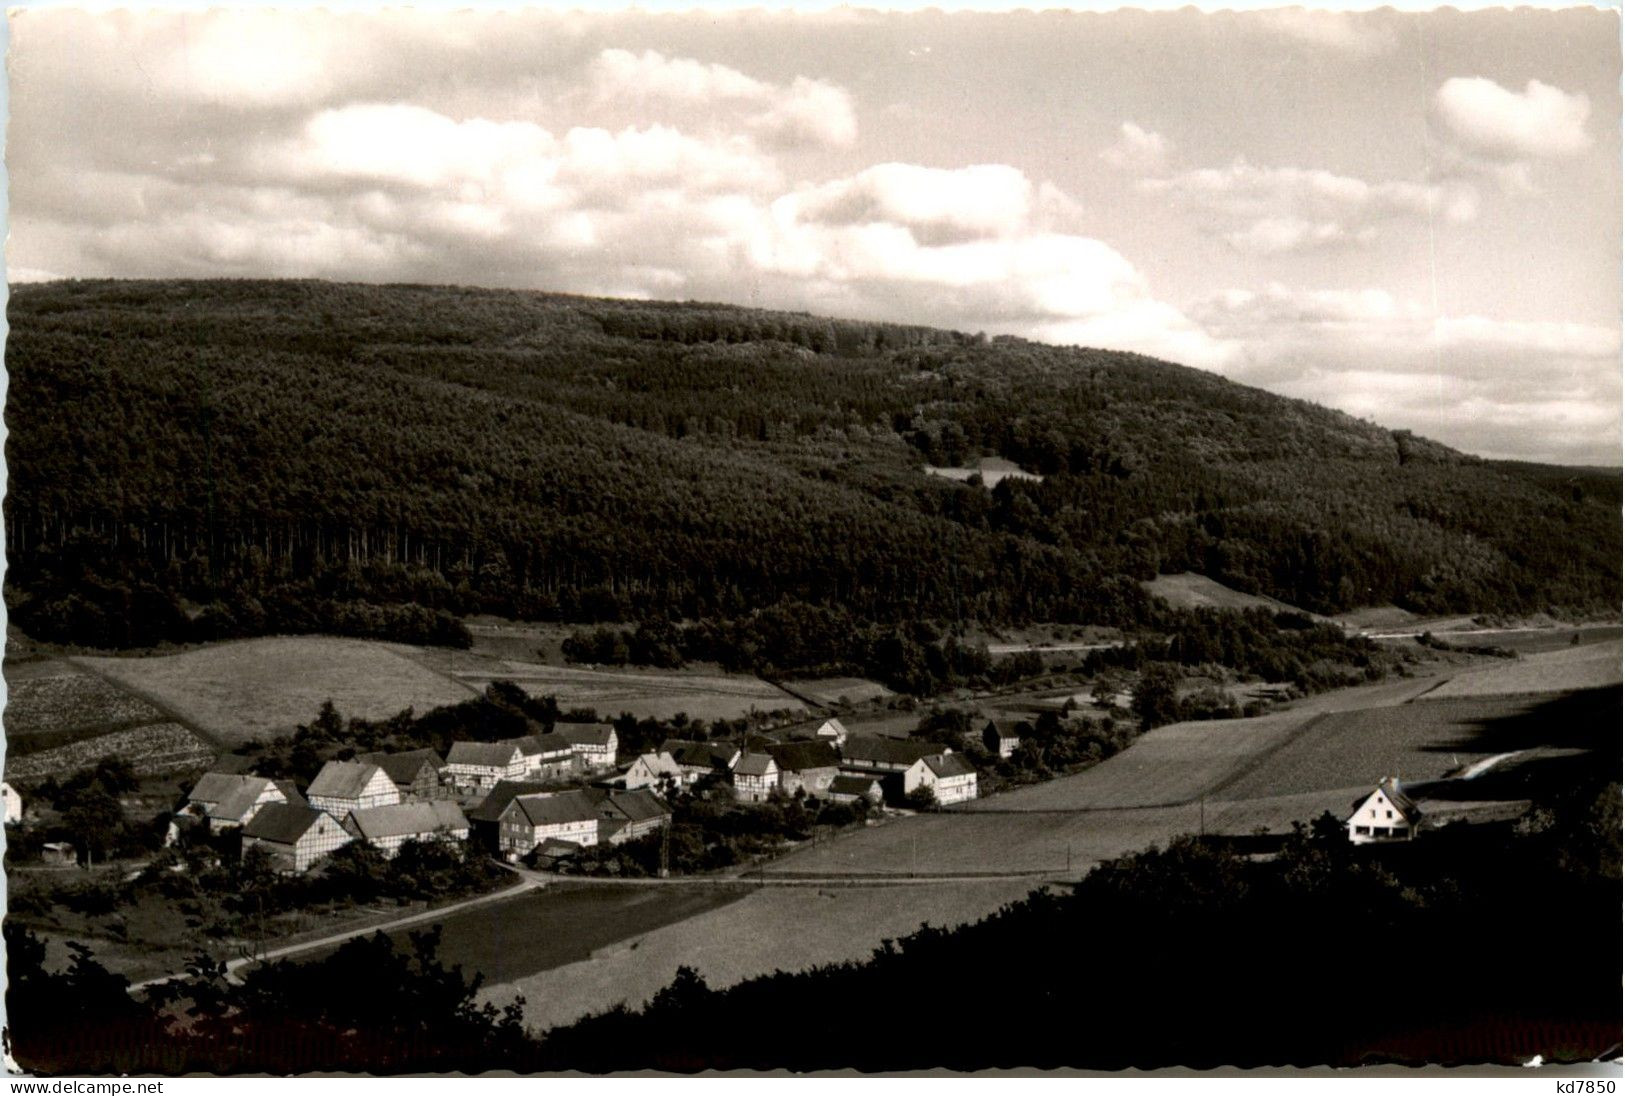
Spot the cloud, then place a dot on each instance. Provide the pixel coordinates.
(1340, 32)
(1269, 210)
(1526, 388)
(1136, 149)
(1541, 122)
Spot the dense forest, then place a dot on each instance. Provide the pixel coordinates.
(195, 460)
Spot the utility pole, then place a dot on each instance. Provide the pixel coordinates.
(1202, 817)
(913, 854)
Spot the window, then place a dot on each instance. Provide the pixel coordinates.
(1363, 830)
(1390, 814)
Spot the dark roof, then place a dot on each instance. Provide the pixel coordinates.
(890, 751)
(949, 764)
(551, 810)
(403, 768)
(1390, 788)
(489, 755)
(636, 806)
(213, 787)
(290, 792)
(713, 755)
(539, 745)
(282, 823)
(496, 801)
(853, 785)
(558, 848)
(1005, 728)
(585, 734)
(342, 779)
(755, 764)
(408, 819)
(800, 756)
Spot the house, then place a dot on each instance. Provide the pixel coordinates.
(478, 766)
(225, 801)
(627, 816)
(886, 754)
(294, 836)
(58, 852)
(529, 820)
(755, 776)
(654, 770)
(849, 788)
(14, 803)
(1001, 737)
(811, 766)
(595, 743)
(1386, 814)
(389, 827)
(547, 756)
(833, 732)
(345, 786)
(949, 775)
(484, 819)
(416, 773)
(700, 759)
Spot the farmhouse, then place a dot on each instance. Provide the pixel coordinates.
(833, 732)
(809, 765)
(886, 754)
(389, 827)
(478, 766)
(949, 775)
(345, 786)
(14, 803)
(1001, 737)
(651, 770)
(547, 756)
(484, 820)
(1386, 814)
(416, 773)
(530, 820)
(850, 788)
(225, 801)
(755, 776)
(629, 816)
(595, 743)
(294, 836)
(700, 759)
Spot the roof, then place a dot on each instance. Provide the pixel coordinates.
(846, 784)
(890, 751)
(1390, 788)
(212, 787)
(800, 756)
(711, 755)
(234, 764)
(609, 827)
(1005, 728)
(403, 768)
(660, 763)
(755, 764)
(490, 755)
(635, 806)
(831, 728)
(342, 779)
(242, 798)
(539, 745)
(282, 823)
(586, 734)
(496, 801)
(553, 810)
(290, 792)
(558, 848)
(949, 765)
(406, 819)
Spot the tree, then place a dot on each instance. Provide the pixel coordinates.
(1156, 696)
(923, 798)
(95, 820)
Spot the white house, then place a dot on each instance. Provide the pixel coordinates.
(547, 756)
(833, 732)
(529, 820)
(595, 743)
(755, 776)
(345, 786)
(226, 800)
(949, 775)
(651, 770)
(389, 827)
(478, 766)
(1387, 814)
(700, 759)
(1001, 737)
(295, 836)
(628, 816)
(14, 803)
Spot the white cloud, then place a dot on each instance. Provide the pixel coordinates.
(1136, 149)
(1540, 122)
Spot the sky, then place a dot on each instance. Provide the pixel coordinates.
(1413, 217)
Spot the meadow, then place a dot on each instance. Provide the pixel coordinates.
(1563, 669)
(1189, 590)
(841, 691)
(152, 749)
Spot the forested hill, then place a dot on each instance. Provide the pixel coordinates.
(234, 446)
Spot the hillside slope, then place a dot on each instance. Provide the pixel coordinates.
(226, 444)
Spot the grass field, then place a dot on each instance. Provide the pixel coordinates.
(771, 929)
(1563, 669)
(259, 688)
(838, 691)
(55, 702)
(153, 749)
(1192, 591)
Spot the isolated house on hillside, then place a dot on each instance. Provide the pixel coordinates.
(1386, 814)
(595, 743)
(547, 756)
(950, 776)
(812, 766)
(651, 770)
(755, 776)
(529, 820)
(886, 754)
(294, 836)
(1001, 737)
(416, 773)
(478, 766)
(345, 786)
(389, 827)
(833, 732)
